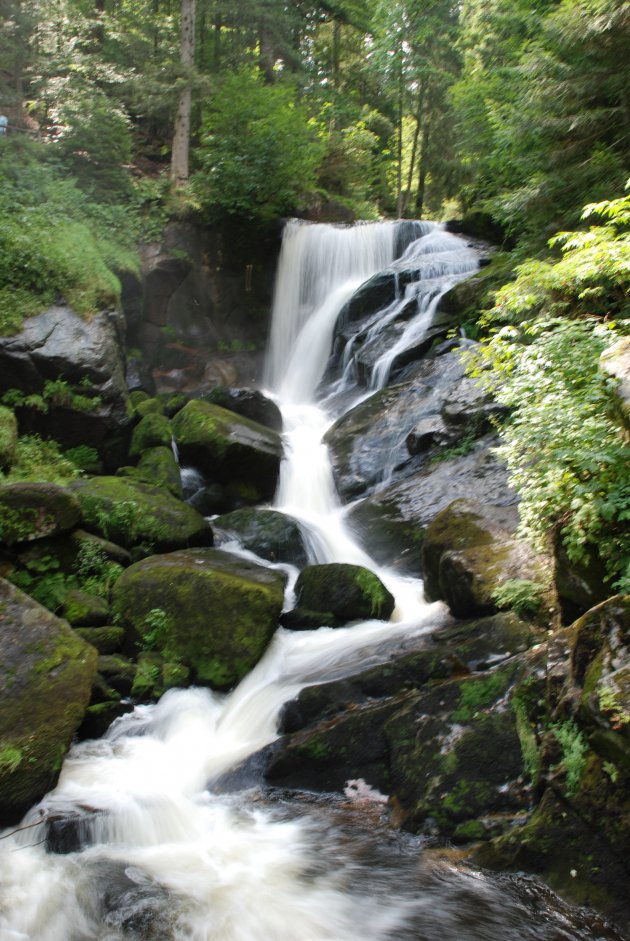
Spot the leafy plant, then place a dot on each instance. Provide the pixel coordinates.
(522, 595)
(574, 749)
(39, 460)
(96, 572)
(157, 623)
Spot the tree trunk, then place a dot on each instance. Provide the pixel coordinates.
(181, 137)
(422, 172)
(399, 154)
(414, 149)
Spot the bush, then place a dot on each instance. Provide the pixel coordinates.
(259, 152)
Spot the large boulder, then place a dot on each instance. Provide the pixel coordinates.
(133, 513)
(230, 449)
(88, 355)
(615, 362)
(205, 610)
(336, 593)
(30, 511)
(46, 673)
(395, 518)
(270, 534)
(152, 431)
(472, 560)
(250, 403)
(408, 425)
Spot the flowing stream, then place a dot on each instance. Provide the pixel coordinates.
(159, 850)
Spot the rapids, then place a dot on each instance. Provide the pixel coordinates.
(154, 834)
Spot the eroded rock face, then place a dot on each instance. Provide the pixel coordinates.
(88, 355)
(405, 426)
(215, 613)
(229, 449)
(46, 673)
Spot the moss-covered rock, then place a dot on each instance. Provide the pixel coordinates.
(471, 558)
(148, 406)
(30, 511)
(229, 448)
(81, 607)
(8, 437)
(133, 513)
(154, 430)
(107, 639)
(348, 592)
(157, 466)
(250, 403)
(270, 534)
(204, 609)
(46, 673)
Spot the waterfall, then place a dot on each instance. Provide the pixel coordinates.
(163, 854)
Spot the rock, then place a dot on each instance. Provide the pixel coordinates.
(270, 534)
(433, 409)
(347, 592)
(422, 748)
(30, 511)
(134, 514)
(153, 431)
(250, 403)
(230, 449)
(580, 585)
(46, 672)
(158, 466)
(83, 608)
(8, 438)
(470, 552)
(88, 355)
(455, 650)
(107, 639)
(117, 671)
(71, 550)
(210, 611)
(394, 520)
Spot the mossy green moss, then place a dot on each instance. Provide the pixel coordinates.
(154, 430)
(46, 674)
(8, 437)
(349, 592)
(133, 513)
(219, 612)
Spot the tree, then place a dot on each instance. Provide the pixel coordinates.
(181, 137)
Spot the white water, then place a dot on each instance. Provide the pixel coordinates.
(167, 857)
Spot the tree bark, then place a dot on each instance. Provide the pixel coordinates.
(181, 137)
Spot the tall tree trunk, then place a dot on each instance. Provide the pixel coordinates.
(422, 171)
(266, 52)
(181, 137)
(414, 149)
(336, 53)
(399, 154)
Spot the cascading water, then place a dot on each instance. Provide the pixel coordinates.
(158, 854)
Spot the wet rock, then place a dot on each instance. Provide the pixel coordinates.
(212, 612)
(394, 520)
(456, 650)
(134, 514)
(229, 449)
(347, 592)
(270, 534)
(118, 672)
(580, 585)
(432, 410)
(46, 673)
(31, 511)
(250, 403)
